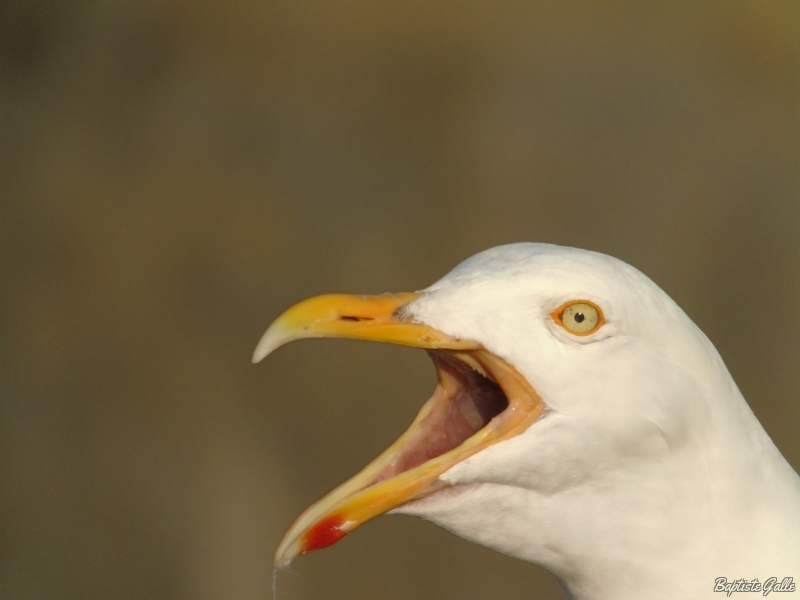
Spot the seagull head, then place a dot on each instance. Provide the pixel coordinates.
(578, 410)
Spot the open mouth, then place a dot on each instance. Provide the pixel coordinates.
(464, 402)
(480, 399)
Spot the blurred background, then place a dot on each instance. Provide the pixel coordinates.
(173, 174)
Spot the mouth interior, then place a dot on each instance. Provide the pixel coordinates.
(463, 403)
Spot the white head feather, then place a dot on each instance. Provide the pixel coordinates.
(648, 476)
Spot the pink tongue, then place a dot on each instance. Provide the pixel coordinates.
(463, 420)
(450, 423)
(457, 412)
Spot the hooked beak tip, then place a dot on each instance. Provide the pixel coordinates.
(273, 338)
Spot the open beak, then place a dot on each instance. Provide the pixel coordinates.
(480, 400)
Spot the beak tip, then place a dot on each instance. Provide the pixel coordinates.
(272, 339)
(285, 554)
(281, 562)
(258, 356)
(260, 353)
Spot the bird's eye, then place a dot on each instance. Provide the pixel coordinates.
(579, 317)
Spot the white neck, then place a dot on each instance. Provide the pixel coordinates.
(654, 529)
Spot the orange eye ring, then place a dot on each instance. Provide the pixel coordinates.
(579, 317)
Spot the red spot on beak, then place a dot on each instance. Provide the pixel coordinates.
(324, 534)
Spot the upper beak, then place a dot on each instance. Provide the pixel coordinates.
(379, 487)
(374, 318)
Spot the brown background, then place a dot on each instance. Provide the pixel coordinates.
(173, 174)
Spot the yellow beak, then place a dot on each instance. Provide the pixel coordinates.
(374, 318)
(408, 469)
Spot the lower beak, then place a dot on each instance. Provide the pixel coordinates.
(410, 468)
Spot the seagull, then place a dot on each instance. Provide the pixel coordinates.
(581, 422)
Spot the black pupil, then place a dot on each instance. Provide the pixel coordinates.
(579, 317)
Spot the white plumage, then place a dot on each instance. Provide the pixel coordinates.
(647, 475)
